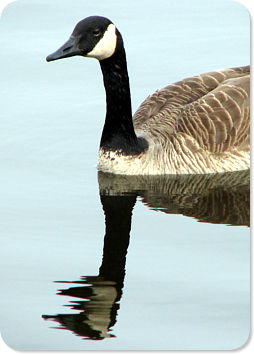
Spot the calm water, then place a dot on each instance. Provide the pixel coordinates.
(129, 262)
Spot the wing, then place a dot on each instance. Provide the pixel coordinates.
(212, 109)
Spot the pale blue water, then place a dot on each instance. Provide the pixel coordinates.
(186, 283)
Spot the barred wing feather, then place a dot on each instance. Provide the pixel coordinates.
(210, 110)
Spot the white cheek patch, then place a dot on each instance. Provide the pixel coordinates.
(106, 46)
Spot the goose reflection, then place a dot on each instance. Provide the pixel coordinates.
(218, 198)
(212, 198)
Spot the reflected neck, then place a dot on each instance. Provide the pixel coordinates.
(118, 213)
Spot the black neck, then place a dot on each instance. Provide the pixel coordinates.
(118, 132)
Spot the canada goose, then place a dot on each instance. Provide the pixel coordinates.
(195, 126)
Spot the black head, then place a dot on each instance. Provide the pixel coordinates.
(94, 37)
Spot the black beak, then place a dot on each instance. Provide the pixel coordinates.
(69, 49)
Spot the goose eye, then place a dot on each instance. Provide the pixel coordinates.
(96, 32)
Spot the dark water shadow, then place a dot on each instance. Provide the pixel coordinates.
(218, 198)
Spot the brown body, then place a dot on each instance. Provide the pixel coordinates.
(197, 125)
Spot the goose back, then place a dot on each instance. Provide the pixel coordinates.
(201, 123)
(213, 108)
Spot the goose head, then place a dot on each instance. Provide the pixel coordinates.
(94, 37)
